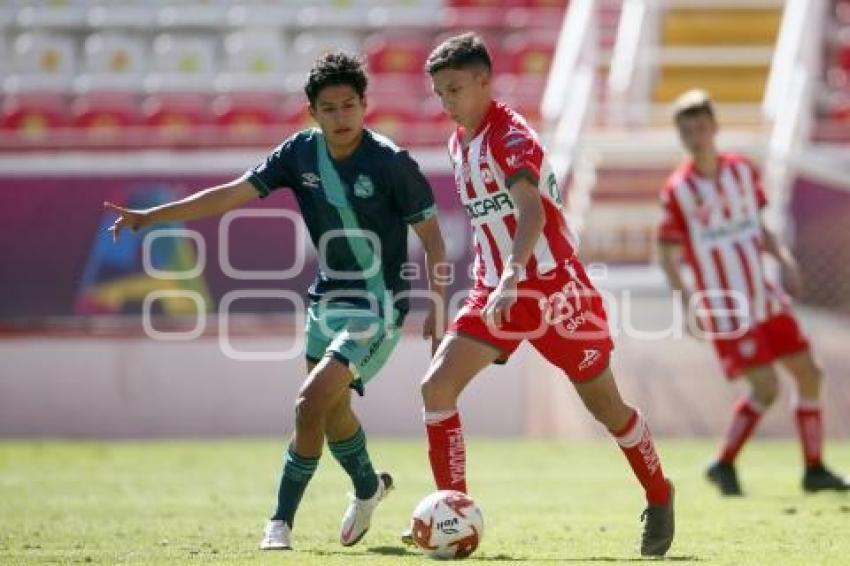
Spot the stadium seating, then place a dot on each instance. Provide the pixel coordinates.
(33, 117)
(42, 61)
(113, 62)
(90, 73)
(182, 63)
(106, 116)
(178, 118)
(254, 60)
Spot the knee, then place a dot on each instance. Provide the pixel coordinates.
(766, 392)
(436, 392)
(809, 382)
(813, 375)
(309, 413)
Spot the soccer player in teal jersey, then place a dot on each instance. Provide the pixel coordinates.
(357, 191)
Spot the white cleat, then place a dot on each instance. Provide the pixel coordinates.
(277, 536)
(358, 515)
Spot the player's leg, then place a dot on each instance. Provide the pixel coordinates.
(602, 398)
(458, 359)
(746, 414)
(764, 389)
(807, 375)
(807, 378)
(325, 383)
(347, 443)
(577, 341)
(364, 344)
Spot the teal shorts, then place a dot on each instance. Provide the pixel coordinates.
(355, 336)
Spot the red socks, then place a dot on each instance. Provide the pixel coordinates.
(810, 427)
(744, 420)
(636, 442)
(446, 449)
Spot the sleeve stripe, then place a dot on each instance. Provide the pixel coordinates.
(424, 214)
(258, 183)
(524, 173)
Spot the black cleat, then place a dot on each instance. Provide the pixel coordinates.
(659, 527)
(724, 477)
(818, 478)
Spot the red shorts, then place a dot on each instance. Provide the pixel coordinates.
(560, 313)
(763, 344)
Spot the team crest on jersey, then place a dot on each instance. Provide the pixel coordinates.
(311, 180)
(487, 175)
(363, 186)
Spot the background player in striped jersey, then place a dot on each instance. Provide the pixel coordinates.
(347, 180)
(712, 205)
(528, 284)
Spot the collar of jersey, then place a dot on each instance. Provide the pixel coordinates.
(489, 118)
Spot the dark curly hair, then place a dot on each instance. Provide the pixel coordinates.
(459, 52)
(336, 68)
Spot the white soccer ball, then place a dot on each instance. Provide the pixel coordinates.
(447, 524)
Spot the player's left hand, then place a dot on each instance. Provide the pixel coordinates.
(434, 326)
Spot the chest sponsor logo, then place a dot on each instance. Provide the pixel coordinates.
(480, 209)
(712, 232)
(311, 180)
(363, 187)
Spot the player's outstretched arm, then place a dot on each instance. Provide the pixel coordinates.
(208, 202)
(428, 232)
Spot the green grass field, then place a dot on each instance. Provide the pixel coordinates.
(543, 503)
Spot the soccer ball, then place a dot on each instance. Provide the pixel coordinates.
(447, 524)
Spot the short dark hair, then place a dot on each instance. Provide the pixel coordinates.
(693, 103)
(459, 52)
(335, 68)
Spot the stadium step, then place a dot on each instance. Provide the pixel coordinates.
(722, 47)
(721, 26)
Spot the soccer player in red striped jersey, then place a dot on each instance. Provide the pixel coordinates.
(529, 285)
(712, 219)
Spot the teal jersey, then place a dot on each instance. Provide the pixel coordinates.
(357, 210)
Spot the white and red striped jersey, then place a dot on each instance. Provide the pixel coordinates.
(504, 149)
(718, 221)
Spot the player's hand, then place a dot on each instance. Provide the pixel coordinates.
(497, 310)
(135, 220)
(434, 327)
